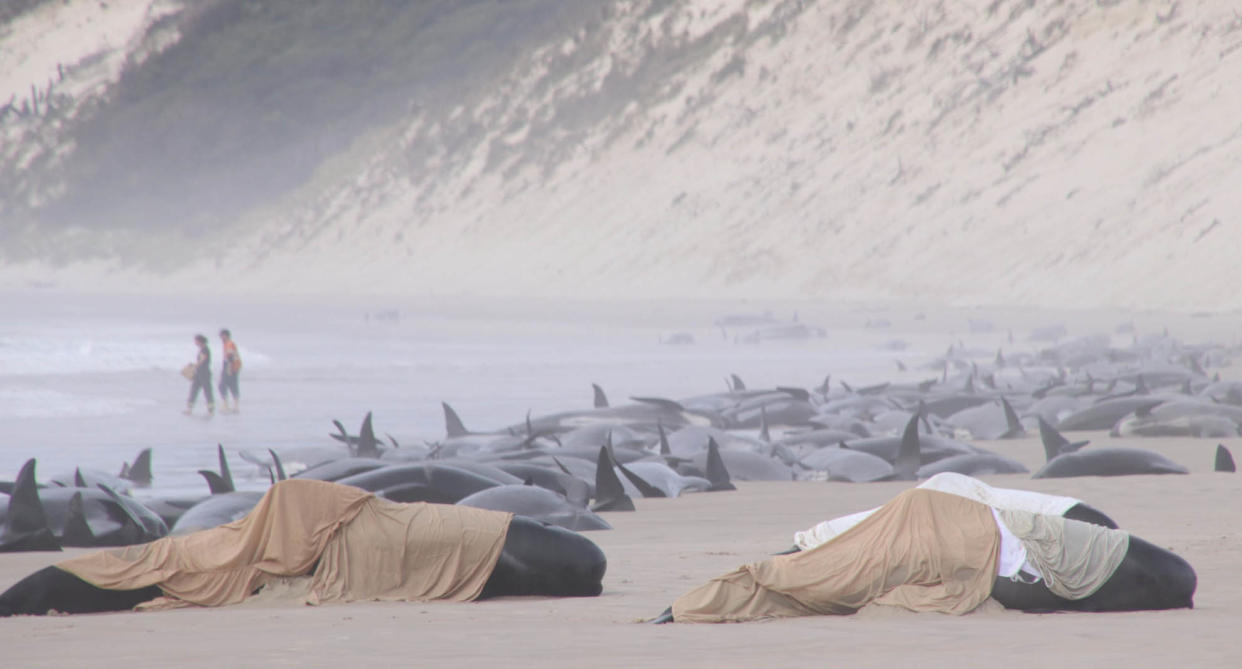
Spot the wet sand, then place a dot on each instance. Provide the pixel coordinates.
(670, 545)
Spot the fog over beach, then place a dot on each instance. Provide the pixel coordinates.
(497, 204)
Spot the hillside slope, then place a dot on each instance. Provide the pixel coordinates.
(1074, 154)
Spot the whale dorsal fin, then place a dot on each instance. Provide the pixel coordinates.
(453, 427)
(1054, 442)
(224, 468)
(1224, 460)
(601, 400)
(717, 473)
(664, 447)
(909, 458)
(368, 445)
(609, 493)
(77, 531)
(1013, 423)
(140, 471)
(25, 524)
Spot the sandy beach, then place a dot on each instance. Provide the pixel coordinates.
(658, 552)
(884, 173)
(670, 545)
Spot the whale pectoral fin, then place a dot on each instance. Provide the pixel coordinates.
(665, 616)
(215, 482)
(639, 482)
(135, 524)
(1074, 446)
(280, 467)
(343, 437)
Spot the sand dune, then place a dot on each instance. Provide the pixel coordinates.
(1077, 154)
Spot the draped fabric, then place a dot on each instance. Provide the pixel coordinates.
(924, 551)
(1074, 558)
(358, 546)
(957, 484)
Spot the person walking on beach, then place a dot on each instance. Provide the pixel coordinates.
(200, 378)
(229, 370)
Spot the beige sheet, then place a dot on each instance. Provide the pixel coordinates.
(924, 551)
(359, 546)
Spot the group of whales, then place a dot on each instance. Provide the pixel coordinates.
(564, 467)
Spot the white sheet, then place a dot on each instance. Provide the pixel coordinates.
(956, 484)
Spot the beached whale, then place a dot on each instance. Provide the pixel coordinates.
(1069, 565)
(1068, 460)
(84, 517)
(539, 504)
(342, 540)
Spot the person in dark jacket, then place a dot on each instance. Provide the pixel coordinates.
(201, 378)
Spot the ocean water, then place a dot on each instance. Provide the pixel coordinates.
(89, 381)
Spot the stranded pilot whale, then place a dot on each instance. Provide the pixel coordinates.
(954, 568)
(1064, 460)
(533, 558)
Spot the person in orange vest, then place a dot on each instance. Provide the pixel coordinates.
(229, 370)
